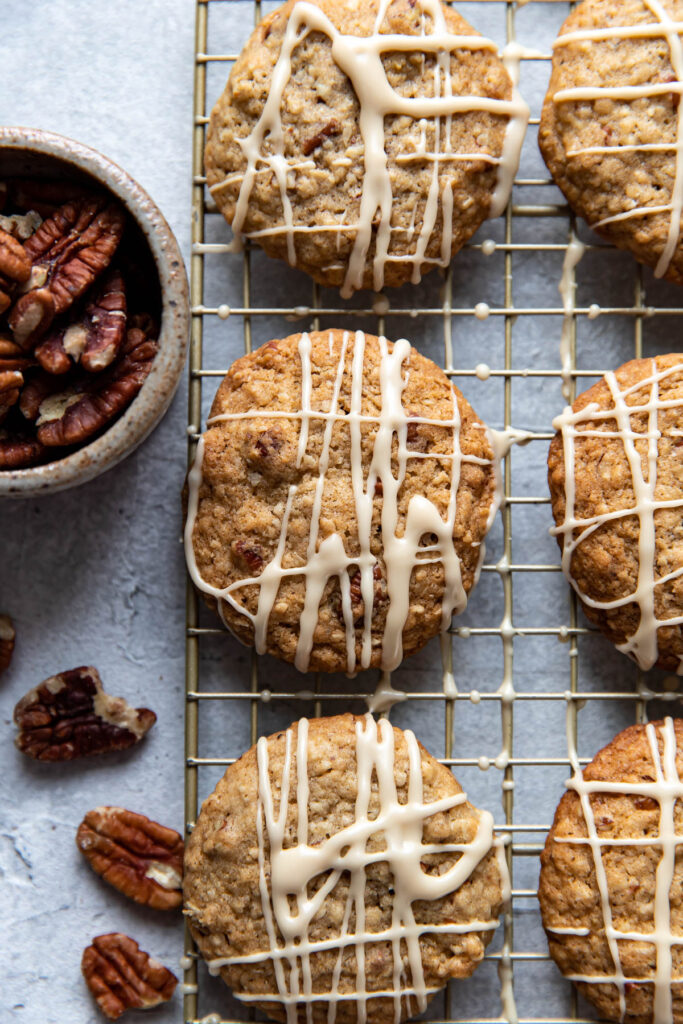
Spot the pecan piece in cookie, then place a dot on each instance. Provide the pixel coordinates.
(332, 127)
(74, 415)
(69, 715)
(140, 858)
(95, 338)
(68, 252)
(7, 635)
(123, 977)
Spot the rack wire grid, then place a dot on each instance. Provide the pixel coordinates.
(464, 699)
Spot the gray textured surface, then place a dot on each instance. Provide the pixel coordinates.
(95, 575)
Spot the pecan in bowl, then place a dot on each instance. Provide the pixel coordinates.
(87, 262)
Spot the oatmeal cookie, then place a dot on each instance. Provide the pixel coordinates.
(318, 875)
(630, 880)
(339, 500)
(322, 147)
(616, 486)
(611, 125)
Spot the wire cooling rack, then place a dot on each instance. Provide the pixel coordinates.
(521, 655)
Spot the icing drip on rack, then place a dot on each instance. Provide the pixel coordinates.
(665, 790)
(663, 28)
(327, 558)
(360, 58)
(294, 867)
(567, 289)
(641, 645)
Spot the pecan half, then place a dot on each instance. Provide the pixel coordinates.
(31, 316)
(18, 452)
(123, 977)
(39, 387)
(84, 408)
(7, 635)
(11, 383)
(95, 338)
(69, 715)
(68, 252)
(140, 858)
(12, 356)
(15, 267)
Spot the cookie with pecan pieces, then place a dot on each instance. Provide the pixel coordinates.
(339, 501)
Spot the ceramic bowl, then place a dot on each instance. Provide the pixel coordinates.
(35, 153)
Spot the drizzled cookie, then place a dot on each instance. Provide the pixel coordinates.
(339, 874)
(611, 877)
(616, 485)
(611, 130)
(364, 142)
(339, 501)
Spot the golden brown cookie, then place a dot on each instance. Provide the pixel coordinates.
(364, 162)
(611, 125)
(611, 885)
(339, 501)
(616, 485)
(338, 866)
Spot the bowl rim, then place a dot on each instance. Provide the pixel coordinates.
(153, 399)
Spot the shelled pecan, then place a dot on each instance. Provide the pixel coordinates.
(68, 252)
(12, 356)
(15, 267)
(137, 856)
(11, 383)
(123, 977)
(94, 339)
(7, 636)
(19, 452)
(74, 415)
(75, 346)
(69, 715)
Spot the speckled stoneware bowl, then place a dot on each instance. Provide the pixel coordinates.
(35, 153)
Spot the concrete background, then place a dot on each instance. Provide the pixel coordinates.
(95, 575)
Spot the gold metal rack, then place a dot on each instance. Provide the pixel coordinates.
(524, 768)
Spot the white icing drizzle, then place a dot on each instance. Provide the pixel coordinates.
(385, 696)
(666, 789)
(294, 867)
(482, 310)
(360, 58)
(641, 645)
(567, 289)
(450, 689)
(327, 558)
(664, 28)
